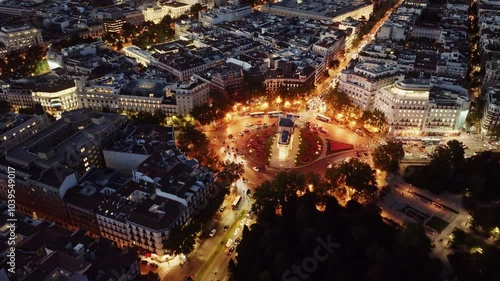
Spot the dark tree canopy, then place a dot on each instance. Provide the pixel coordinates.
(354, 243)
(150, 276)
(387, 157)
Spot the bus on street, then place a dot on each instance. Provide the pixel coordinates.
(323, 118)
(257, 114)
(431, 140)
(274, 114)
(236, 202)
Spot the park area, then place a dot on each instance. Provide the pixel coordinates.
(259, 147)
(335, 146)
(309, 147)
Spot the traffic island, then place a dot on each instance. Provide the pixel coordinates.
(259, 146)
(309, 147)
(335, 146)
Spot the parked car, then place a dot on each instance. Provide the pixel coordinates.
(222, 208)
(212, 233)
(256, 169)
(154, 265)
(230, 252)
(236, 231)
(226, 227)
(144, 262)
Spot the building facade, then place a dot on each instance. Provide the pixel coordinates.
(414, 107)
(491, 114)
(20, 37)
(363, 81)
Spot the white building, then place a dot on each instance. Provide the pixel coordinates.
(117, 93)
(491, 114)
(452, 63)
(415, 107)
(156, 13)
(392, 30)
(20, 37)
(56, 97)
(492, 71)
(224, 14)
(364, 80)
(190, 95)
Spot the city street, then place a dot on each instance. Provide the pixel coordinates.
(204, 251)
(230, 140)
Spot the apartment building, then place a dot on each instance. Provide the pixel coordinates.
(321, 10)
(415, 107)
(492, 72)
(17, 96)
(491, 114)
(50, 163)
(20, 37)
(224, 14)
(17, 128)
(362, 81)
(55, 95)
(190, 95)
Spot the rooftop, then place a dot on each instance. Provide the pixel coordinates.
(157, 214)
(144, 140)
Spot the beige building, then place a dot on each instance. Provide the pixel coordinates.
(415, 107)
(56, 97)
(190, 95)
(363, 81)
(20, 37)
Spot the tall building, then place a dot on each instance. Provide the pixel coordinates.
(361, 82)
(20, 37)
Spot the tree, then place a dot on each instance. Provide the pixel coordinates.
(182, 240)
(192, 139)
(231, 172)
(337, 100)
(195, 9)
(150, 276)
(4, 106)
(447, 160)
(387, 157)
(375, 118)
(203, 114)
(353, 176)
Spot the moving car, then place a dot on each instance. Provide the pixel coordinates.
(154, 265)
(229, 243)
(226, 227)
(255, 169)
